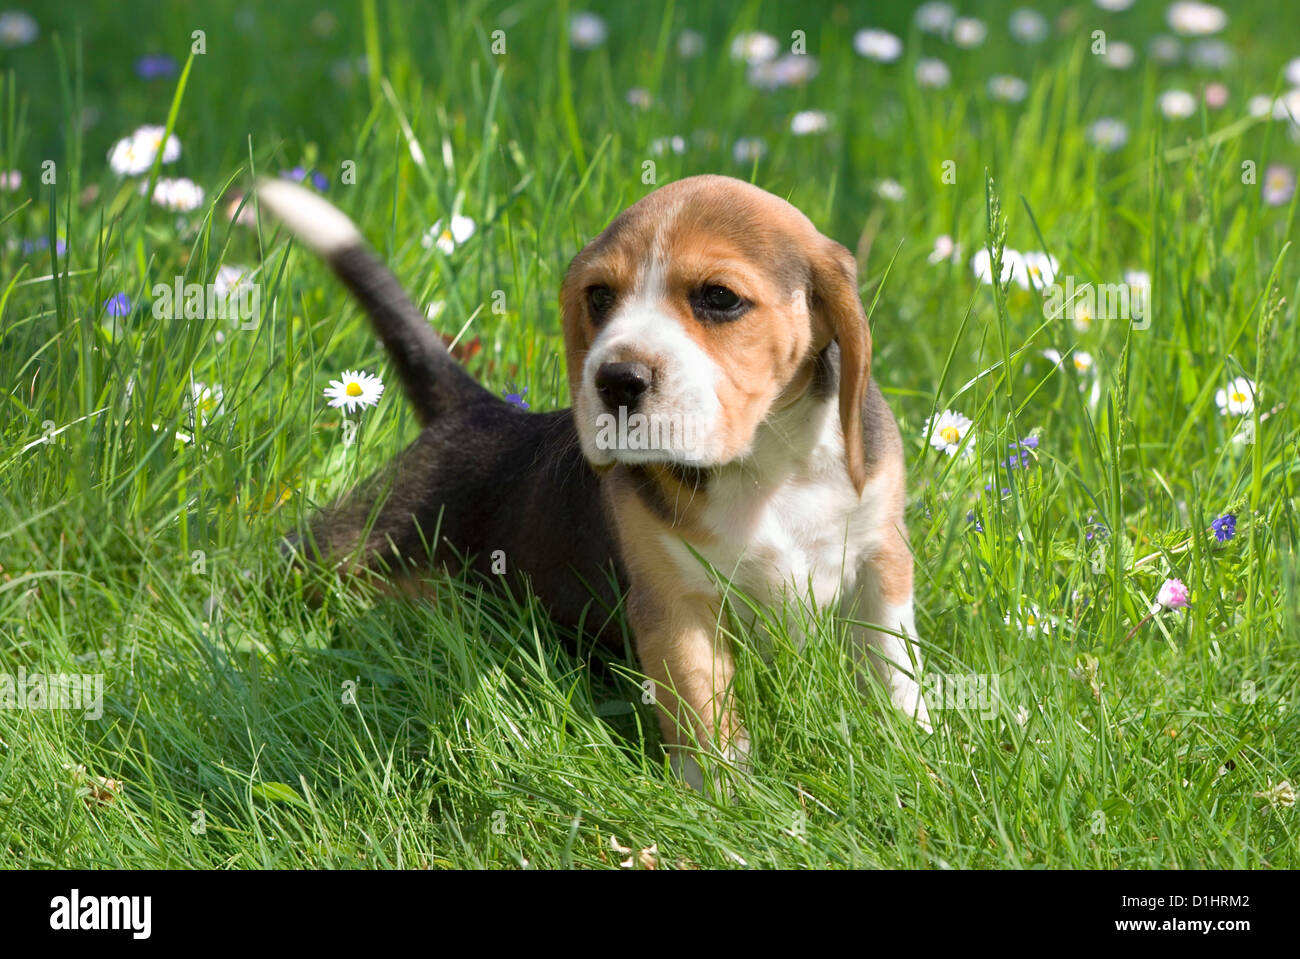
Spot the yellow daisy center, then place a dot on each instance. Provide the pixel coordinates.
(354, 389)
(1031, 620)
(1238, 397)
(950, 434)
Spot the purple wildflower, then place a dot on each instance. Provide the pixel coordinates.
(119, 304)
(1225, 527)
(974, 521)
(43, 243)
(301, 175)
(153, 66)
(1020, 455)
(517, 398)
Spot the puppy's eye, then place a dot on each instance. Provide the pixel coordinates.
(600, 300)
(717, 302)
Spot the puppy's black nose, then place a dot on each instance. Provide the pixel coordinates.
(621, 384)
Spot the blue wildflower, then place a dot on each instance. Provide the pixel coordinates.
(43, 243)
(153, 66)
(301, 175)
(517, 398)
(119, 304)
(1225, 527)
(974, 520)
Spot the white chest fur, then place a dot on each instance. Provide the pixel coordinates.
(787, 519)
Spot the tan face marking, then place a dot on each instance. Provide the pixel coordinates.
(714, 377)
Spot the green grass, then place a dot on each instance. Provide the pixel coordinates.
(476, 737)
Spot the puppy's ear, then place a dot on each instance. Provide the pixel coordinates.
(573, 313)
(838, 315)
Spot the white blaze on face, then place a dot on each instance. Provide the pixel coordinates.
(680, 414)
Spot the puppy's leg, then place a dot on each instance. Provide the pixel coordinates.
(883, 597)
(691, 667)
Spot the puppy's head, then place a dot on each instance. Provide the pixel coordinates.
(699, 310)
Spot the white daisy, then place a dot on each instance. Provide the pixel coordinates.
(179, 194)
(1165, 49)
(981, 265)
(1192, 18)
(1139, 281)
(1115, 5)
(1278, 186)
(1028, 26)
(809, 121)
(934, 17)
(1081, 360)
(355, 390)
(205, 400)
(946, 430)
(461, 229)
(1007, 88)
(1260, 106)
(1031, 620)
(748, 149)
(968, 32)
(17, 28)
(932, 73)
(1119, 55)
(1238, 398)
(673, 144)
(890, 190)
(944, 249)
(756, 47)
(1293, 72)
(791, 70)
(1039, 270)
(587, 31)
(880, 45)
(1177, 104)
(639, 97)
(435, 308)
(690, 44)
(1245, 435)
(230, 278)
(134, 154)
(1108, 133)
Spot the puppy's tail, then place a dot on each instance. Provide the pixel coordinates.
(434, 382)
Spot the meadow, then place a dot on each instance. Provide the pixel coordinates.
(1102, 485)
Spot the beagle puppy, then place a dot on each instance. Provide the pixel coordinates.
(725, 433)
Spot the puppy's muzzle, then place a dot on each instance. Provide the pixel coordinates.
(622, 385)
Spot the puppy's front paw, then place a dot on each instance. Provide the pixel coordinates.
(731, 768)
(905, 694)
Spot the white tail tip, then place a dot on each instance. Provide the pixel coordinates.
(317, 222)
